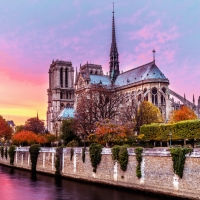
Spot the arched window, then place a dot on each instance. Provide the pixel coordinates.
(154, 93)
(61, 77)
(66, 77)
(162, 100)
(164, 89)
(61, 95)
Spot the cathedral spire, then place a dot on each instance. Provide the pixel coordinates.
(76, 76)
(193, 99)
(114, 62)
(87, 74)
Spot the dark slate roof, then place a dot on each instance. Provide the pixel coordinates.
(95, 79)
(10, 123)
(141, 73)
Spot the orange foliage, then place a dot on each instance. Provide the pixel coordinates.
(5, 130)
(107, 131)
(30, 137)
(185, 113)
(25, 136)
(41, 139)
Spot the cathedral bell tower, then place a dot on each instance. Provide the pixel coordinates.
(114, 62)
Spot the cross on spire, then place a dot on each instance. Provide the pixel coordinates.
(154, 53)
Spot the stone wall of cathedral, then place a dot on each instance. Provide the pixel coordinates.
(154, 92)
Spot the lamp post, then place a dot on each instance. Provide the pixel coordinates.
(170, 142)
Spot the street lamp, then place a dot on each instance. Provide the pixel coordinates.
(170, 134)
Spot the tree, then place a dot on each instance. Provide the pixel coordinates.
(5, 130)
(184, 113)
(25, 137)
(19, 128)
(35, 125)
(96, 104)
(67, 129)
(108, 131)
(128, 112)
(147, 113)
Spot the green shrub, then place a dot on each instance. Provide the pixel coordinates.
(123, 157)
(188, 129)
(6, 153)
(95, 155)
(83, 154)
(34, 152)
(2, 152)
(73, 143)
(138, 151)
(71, 153)
(58, 162)
(11, 153)
(178, 158)
(115, 152)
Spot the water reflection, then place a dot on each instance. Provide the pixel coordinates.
(18, 184)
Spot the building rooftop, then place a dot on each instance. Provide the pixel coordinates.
(96, 79)
(141, 73)
(66, 113)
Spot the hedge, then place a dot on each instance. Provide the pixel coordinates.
(189, 129)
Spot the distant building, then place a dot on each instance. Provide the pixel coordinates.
(145, 82)
(11, 124)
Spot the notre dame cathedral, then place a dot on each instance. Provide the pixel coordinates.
(144, 82)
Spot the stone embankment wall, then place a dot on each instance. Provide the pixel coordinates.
(156, 167)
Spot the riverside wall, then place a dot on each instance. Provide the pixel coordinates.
(156, 167)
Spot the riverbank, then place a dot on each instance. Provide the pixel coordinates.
(156, 168)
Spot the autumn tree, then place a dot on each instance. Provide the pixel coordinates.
(5, 130)
(25, 137)
(147, 113)
(35, 125)
(108, 132)
(184, 113)
(96, 104)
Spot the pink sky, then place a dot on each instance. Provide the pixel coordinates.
(34, 32)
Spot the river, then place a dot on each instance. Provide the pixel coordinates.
(17, 184)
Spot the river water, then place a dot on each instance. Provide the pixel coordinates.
(17, 184)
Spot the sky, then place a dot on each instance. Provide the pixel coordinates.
(34, 32)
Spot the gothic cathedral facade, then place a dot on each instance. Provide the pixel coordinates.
(60, 93)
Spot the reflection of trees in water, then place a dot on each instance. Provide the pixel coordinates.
(33, 176)
(11, 171)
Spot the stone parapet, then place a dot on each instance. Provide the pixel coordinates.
(156, 169)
